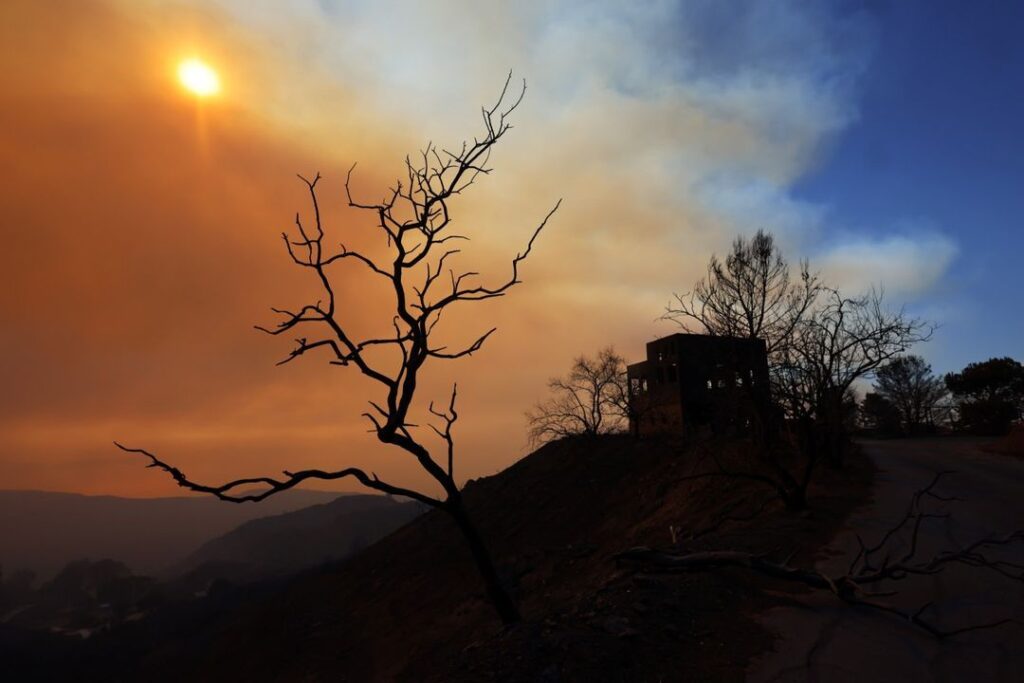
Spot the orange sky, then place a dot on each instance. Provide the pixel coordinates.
(142, 243)
(141, 229)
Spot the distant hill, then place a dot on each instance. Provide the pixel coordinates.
(88, 597)
(43, 531)
(286, 543)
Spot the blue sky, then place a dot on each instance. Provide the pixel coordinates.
(939, 142)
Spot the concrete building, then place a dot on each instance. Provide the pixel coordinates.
(693, 381)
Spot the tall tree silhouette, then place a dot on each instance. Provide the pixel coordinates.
(908, 383)
(819, 342)
(752, 293)
(414, 221)
(844, 339)
(989, 395)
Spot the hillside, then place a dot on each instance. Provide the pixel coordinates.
(411, 607)
(42, 531)
(319, 534)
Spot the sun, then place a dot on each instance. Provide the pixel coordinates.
(198, 78)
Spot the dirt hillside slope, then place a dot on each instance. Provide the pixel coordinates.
(411, 607)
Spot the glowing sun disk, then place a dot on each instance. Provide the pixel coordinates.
(198, 78)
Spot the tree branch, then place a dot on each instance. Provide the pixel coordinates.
(274, 486)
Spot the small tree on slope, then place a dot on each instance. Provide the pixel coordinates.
(593, 399)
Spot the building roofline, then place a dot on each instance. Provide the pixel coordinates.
(694, 335)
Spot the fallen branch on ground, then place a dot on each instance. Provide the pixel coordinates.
(872, 564)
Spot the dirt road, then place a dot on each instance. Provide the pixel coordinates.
(823, 640)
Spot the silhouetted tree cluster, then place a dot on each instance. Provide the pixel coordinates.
(819, 341)
(414, 221)
(842, 340)
(914, 392)
(592, 399)
(989, 395)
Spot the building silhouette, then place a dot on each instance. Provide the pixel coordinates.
(696, 382)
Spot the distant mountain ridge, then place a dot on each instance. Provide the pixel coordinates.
(42, 531)
(93, 593)
(316, 535)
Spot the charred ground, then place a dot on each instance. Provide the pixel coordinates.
(411, 606)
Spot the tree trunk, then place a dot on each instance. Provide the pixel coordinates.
(503, 604)
(835, 435)
(835, 438)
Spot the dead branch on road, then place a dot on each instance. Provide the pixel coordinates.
(885, 560)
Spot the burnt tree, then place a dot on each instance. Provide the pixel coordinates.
(832, 345)
(592, 399)
(908, 384)
(750, 294)
(818, 342)
(843, 340)
(415, 230)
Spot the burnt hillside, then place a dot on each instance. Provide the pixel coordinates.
(411, 606)
(288, 543)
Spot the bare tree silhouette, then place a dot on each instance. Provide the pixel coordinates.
(908, 384)
(844, 339)
(593, 399)
(989, 395)
(818, 341)
(415, 222)
(751, 294)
